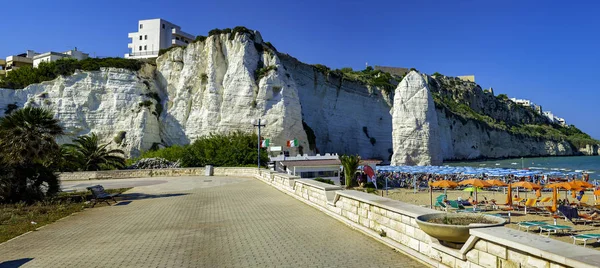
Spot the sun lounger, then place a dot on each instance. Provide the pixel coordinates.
(440, 202)
(531, 205)
(544, 200)
(585, 238)
(530, 224)
(555, 229)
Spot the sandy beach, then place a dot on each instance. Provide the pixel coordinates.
(422, 198)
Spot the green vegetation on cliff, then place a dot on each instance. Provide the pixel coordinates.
(46, 71)
(376, 78)
(547, 131)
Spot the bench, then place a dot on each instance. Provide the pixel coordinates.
(98, 193)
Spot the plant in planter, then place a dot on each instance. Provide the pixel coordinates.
(453, 228)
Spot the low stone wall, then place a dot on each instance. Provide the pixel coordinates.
(147, 173)
(393, 223)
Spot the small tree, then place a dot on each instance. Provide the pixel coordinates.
(350, 164)
(91, 155)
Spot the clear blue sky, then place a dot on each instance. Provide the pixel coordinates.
(546, 51)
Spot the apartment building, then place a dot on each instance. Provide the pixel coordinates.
(21, 60)
(2, 68)
(154, 35)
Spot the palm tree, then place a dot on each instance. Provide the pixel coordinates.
(29, 135)
(90, 155)
(350, 164)
(28, 151)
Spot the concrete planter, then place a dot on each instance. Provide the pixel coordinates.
(454, 233)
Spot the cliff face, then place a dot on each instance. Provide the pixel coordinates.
(220, 84)
(210, 87)
(346, 117)
(415, 132)
(462, 139)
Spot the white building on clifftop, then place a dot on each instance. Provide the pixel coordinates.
(154, 35)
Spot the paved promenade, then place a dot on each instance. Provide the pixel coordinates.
(200, 222)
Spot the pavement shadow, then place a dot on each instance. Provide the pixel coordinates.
(140, 196)
(15, 263)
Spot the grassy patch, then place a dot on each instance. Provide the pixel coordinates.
(16, 219)
(47, 71)
(460, 220)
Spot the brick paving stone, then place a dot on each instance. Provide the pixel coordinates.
(223, 222)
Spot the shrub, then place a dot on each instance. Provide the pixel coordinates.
(232, 150)
(328, 181)
(502, 97)
(174, 153)
(262, 72)
(437, 74)
(200, 38)
(120, 137)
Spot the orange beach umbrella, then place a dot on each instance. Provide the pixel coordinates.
(527, 185)
(495, 182)
(444, 184)
(509, 196)
(475, 183)
(582, 184)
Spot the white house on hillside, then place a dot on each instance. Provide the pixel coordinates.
(54, 56)
(154, 35)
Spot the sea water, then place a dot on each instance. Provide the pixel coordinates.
(566, 164)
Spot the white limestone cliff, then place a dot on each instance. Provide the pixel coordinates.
(415, 133)
(210, 87)
(106, 102)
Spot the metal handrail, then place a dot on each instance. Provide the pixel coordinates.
(144, 53)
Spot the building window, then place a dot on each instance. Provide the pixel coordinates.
(141, 26)
(145, 48)
(186, 41)
(145, 37)
(140, 48)
(176, 38)
(163, 25)
(140, 37)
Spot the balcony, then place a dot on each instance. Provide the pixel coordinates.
(142, 54)
(130, 45)
(178, 32)
(176, 42)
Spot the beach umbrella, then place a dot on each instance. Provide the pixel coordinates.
(472, 189)
(509, 196)
(554, 199)
(496, 182)
(475, 183)
(444, 184)
(527, 185)
(582, 184)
